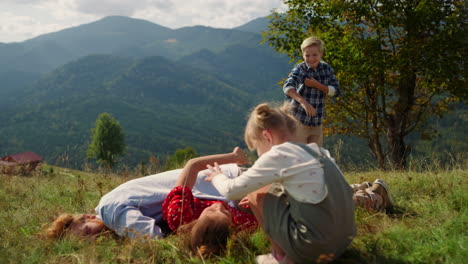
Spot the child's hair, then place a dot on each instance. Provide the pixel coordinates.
(205, 238)
(265, 117)
(59, 226)
(313, 41)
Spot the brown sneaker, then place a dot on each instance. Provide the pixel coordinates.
(380, 187)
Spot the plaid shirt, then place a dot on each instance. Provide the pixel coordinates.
(325, 75)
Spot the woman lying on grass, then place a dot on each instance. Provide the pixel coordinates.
(136, 208)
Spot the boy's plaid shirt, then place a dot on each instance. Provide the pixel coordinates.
(324, 74)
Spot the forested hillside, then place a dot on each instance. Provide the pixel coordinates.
(168, 88)
(162, 106)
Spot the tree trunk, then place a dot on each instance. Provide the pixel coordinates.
(374, 140)
(397, 148)
(376, 149)
(397, 120)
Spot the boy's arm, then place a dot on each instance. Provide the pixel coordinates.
(333, 89)
(310, 110)
(189, 174)
(295, 78)
(311, 82)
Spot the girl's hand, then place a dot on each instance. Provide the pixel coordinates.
(241, 157)
(213, 171)
(244, 203)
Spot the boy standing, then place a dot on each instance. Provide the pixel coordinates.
(307, 85)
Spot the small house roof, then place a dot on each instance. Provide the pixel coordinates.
(24, 157)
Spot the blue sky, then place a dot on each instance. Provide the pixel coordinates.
(24, 19)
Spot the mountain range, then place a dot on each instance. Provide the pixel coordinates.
(168, 88)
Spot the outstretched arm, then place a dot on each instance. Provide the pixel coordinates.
(190, 171)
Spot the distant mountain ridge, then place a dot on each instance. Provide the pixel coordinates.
(257, 25)
(187, 87)
(116, 35)
(168, 88)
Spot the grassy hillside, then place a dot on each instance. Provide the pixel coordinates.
(428, 225)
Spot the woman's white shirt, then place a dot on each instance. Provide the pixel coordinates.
(299, 172)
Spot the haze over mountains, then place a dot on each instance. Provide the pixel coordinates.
(168, 88)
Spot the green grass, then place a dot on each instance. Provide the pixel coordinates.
(428, 225)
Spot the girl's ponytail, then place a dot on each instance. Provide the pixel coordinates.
(263, 117)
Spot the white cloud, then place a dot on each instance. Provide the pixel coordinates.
(214, 13)
(15, 28)
(23, 19)
(109, 7)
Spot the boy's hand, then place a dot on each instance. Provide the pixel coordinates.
(241, 157)
(310, 110)
(311, 82)
(213, 171)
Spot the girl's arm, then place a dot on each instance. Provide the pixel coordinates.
(189, 174)
(276, 165)
(268, 168)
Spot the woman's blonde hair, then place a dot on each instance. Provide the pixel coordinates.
(59, 226)
(266, 117)
(205, 238)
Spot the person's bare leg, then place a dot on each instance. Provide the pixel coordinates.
(256, 200)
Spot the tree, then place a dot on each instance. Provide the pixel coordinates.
(107, 140)
(180, 157)
(399, 64)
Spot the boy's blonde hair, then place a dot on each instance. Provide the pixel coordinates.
(265, 117)
(313, 41)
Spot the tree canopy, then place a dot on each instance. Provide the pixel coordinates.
(107, 141)
(180, 157)
(399, 63)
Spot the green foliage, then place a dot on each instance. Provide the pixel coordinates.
(400, 63)
(180, 157)
(161, 109)
(107, 141)
(428, 225)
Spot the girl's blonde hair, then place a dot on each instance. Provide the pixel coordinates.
(313, 41)
(59, 226)
(266, 117)
(205, 238)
